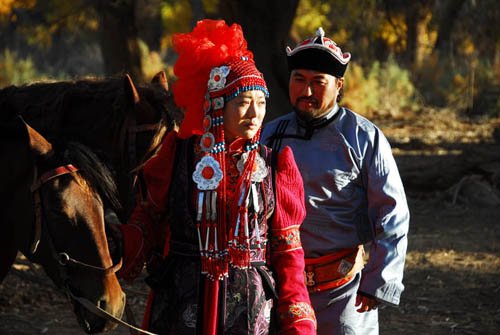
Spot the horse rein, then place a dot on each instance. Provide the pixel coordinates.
(63, 259)
(106, 315)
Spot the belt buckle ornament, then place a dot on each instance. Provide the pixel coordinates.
(344, 267)
(310, 278)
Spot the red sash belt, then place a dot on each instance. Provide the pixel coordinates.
(334, 270)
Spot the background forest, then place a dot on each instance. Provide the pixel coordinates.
(427, 72)
(407, 55)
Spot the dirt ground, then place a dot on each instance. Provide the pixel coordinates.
(453, 261)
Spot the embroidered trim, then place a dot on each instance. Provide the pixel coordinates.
(286, 239)
(299, 311)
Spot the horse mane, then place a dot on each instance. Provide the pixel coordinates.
(93, 170)
(50, 95)
(44, 98)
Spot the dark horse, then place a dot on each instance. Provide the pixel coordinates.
(52, 211)
(113, 117)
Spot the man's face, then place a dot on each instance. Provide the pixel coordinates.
(313, 93)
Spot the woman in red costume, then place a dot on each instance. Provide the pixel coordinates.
(232, 259)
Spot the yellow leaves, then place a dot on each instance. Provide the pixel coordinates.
(41, 35)
(175, 15)
(15, 70)
(175, 18)
(467, 47)
(393, 33)
(341, 37)
(383, 89)
(210, 6)
(459, 80)
(7, 9)
(7, 6)
(55, 16)
(426, 39)
(92, 24)
(151, 62)
(311, 15)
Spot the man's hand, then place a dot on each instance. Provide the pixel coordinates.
(365, 303)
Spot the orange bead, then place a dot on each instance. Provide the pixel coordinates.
(207, 172)
(207, 142)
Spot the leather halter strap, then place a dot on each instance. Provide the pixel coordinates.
(37, 183)
(54, 173)
(64, 260)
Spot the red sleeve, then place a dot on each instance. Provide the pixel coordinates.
(294, 307)
(144, 231)
(158, 172)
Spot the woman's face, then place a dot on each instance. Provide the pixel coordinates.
(243, 115)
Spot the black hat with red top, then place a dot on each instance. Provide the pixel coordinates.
(318, 53)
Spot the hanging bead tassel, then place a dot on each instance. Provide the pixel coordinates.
(256, 208)
(199, 217)
(241, 257)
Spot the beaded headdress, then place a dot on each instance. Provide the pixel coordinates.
(213, 67)
(213, 62)
(318, 53)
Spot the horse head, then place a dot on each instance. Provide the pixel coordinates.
(150, 115)
(70, 229)
(153, 112)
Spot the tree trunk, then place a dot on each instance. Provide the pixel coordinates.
(445, 29)
(118, 38)
(412, 18)
(197, 10)
(266, 25)
(149, 23)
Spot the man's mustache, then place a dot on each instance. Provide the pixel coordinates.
(307, 100)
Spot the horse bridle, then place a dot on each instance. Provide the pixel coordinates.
(127, 144)
(62, 258)
(128, 134)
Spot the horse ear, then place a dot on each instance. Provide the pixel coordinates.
(161, 79)
(130, 90)
(38, 144)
